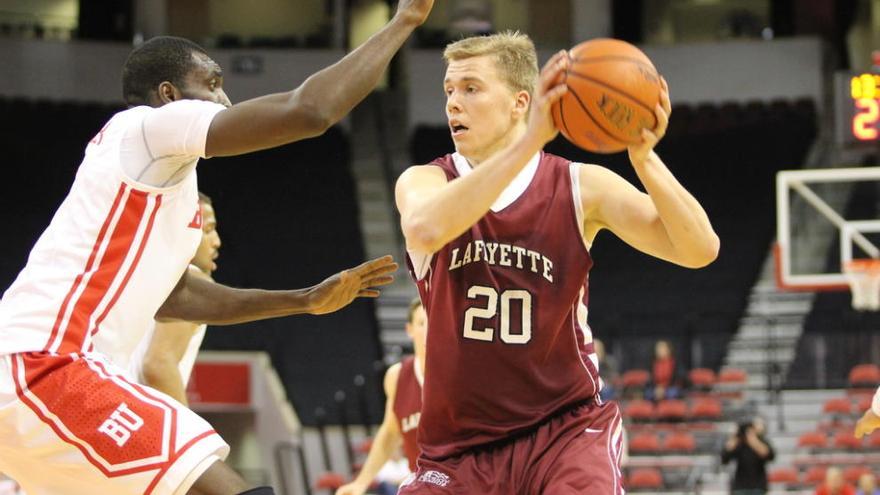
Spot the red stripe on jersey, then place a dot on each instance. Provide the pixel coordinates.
(82, 410)
(174, 458)
(134, 264)
(96, 290)
(89, 263)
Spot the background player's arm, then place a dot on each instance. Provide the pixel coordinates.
(667, 222)
(321, 101)
(434, 211)
(161, 362)
(388, 439)
(202, 301)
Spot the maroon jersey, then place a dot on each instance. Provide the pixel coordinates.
(508, 343)
(407, 408)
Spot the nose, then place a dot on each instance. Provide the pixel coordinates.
(452, 104)
(224, 100)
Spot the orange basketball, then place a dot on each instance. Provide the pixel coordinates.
(613, 89)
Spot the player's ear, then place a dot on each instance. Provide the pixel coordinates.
(168, 93)
(521, 105)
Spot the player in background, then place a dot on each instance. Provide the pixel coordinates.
(869, 421)
(169, 352)
(115, 256)
(498, 237)
(403, 405)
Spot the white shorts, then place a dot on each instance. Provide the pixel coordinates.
(75, 425)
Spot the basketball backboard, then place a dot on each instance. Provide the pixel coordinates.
(825, 218)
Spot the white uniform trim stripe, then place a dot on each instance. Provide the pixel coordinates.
(87, 276)
(129, 259)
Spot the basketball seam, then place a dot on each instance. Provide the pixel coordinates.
(617, 58)
(598, 125)
(616, 90)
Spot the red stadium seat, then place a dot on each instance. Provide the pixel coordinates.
(863, 403)
(643, 478)
(680, 442)
(639, 410)
(841, 405)
(702, 377)
(635, 378)
(672, 409)
(852, 473)
(815, 475)
(844, 439)
(329, 481)
(732, 375)
(785, 475)
(813, 440)
(706, 409)
(874, 440)
(864, 375)
(644, 442)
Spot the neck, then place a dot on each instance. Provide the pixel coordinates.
(420, 361)
(515, 132)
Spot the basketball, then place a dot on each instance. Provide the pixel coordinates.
(613, 89)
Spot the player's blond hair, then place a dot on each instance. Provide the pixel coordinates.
(514, 55)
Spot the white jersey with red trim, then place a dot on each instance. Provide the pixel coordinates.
(117, 246)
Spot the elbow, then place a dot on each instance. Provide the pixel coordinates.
(310, 116)
(705, 254)
(421, 237)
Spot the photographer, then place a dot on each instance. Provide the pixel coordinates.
(752, 452)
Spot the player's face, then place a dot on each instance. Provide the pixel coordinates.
(205, 81)
(481, 109)
(417, 329)
(209, 248)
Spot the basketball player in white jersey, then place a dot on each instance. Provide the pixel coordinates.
(115, 256)
(166, 356)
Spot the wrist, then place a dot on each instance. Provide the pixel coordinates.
(406, 20)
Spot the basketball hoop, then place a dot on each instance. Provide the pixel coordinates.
(863, 276)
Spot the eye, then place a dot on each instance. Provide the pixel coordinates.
(448, 91)
(471, 89)
(213, 84)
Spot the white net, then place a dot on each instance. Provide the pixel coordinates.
(863, 276)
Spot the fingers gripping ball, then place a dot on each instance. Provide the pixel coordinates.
(613, 89)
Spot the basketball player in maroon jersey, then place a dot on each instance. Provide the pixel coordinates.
(403, 405)
(498, 236)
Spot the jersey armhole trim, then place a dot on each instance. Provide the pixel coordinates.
(574, 173)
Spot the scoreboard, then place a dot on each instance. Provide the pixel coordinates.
(857, 109)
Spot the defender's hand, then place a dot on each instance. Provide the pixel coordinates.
(341, 289)
(415, 11)
(638, 153)
(551, 87)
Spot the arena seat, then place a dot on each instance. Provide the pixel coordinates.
(640, 410)
(702, 377)
(732, 376)
(635, 378)
(329, 481)
(671, 410)
(787, 475)
(814, 475)
(645, 478)
(707, 408)
(682, 442)
(852, 473)
(813, 440)
(864, 375)
(844, 439)
(840, 405)
(644, 442)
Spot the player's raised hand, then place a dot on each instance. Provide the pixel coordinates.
(551, 86)
(639, 152)
(415, 10)
(341, 289)
(867, 424)
(351, 489)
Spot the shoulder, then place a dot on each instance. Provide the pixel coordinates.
(391, 377)
(420, 174)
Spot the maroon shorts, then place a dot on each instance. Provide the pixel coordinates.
(576, 452)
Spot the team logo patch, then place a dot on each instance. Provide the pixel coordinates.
(435, 478)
